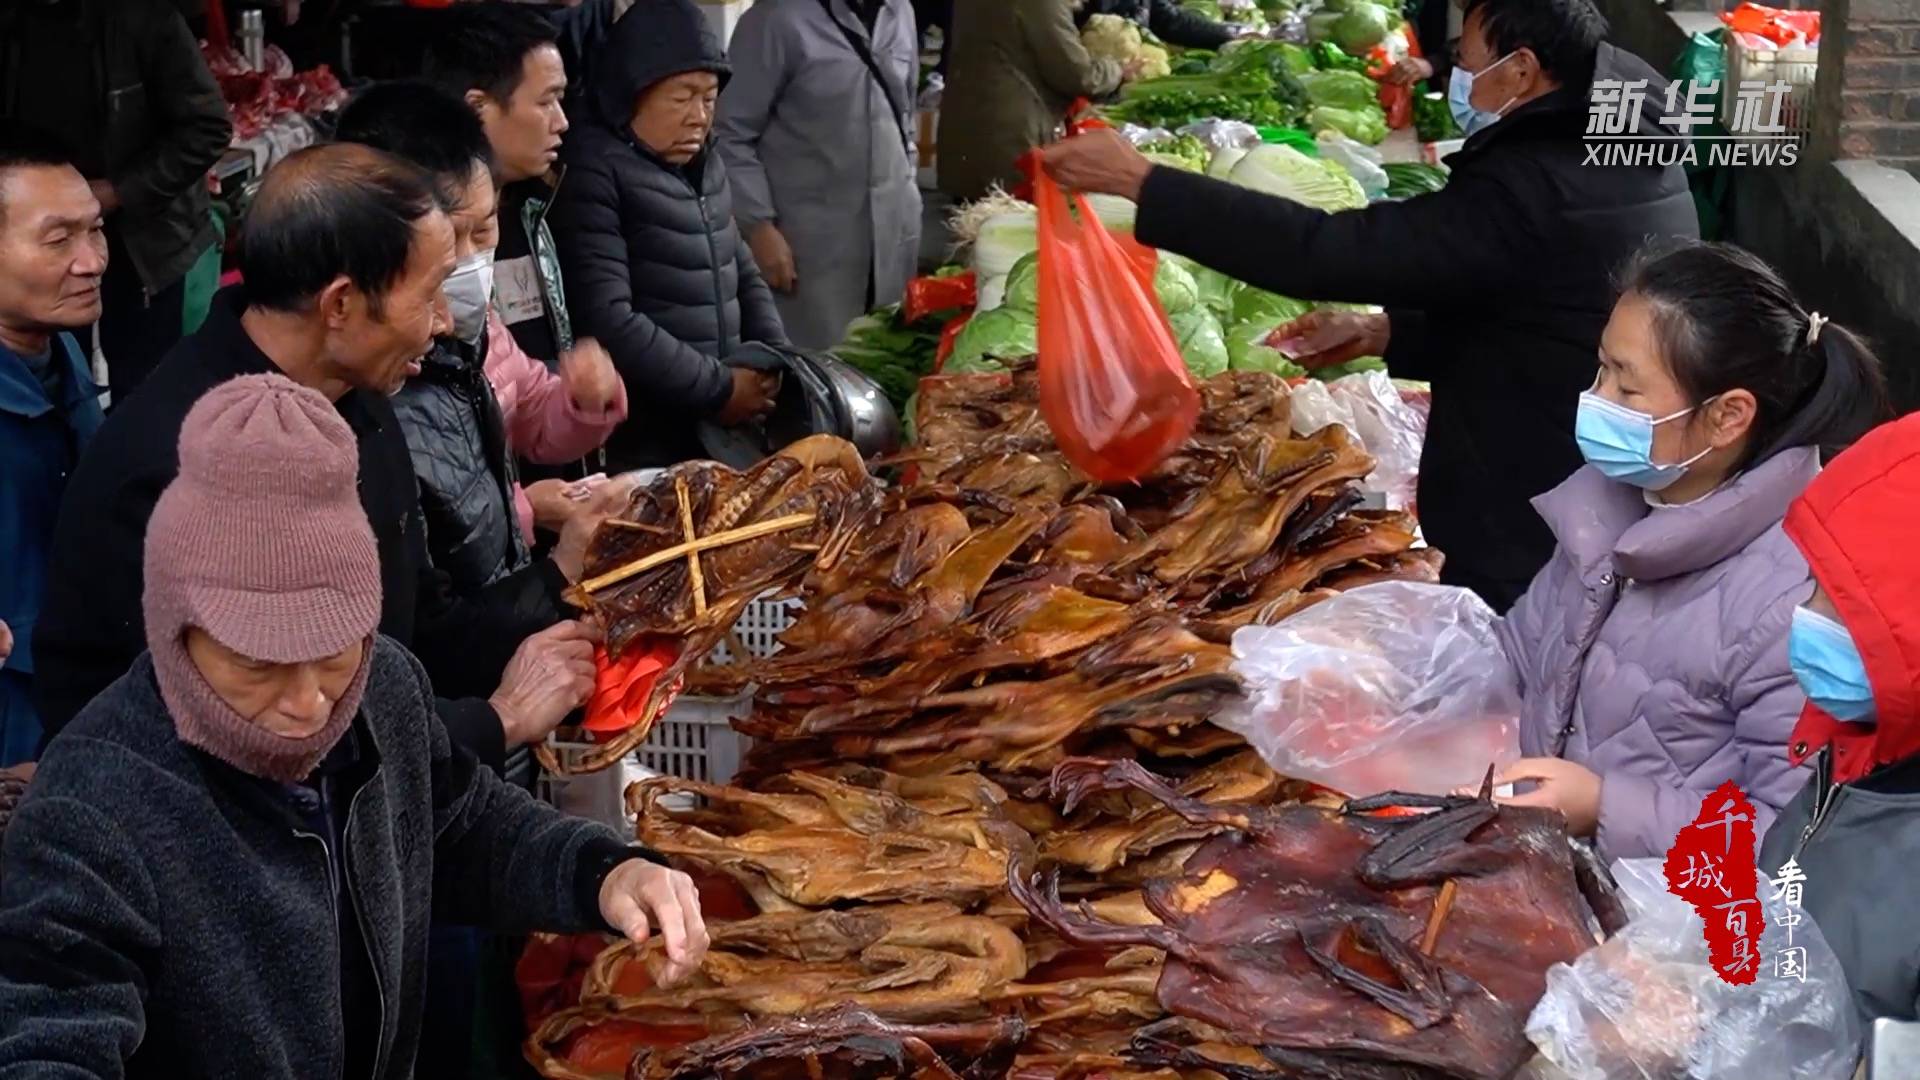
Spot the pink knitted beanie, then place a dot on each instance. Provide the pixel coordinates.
(260, 542)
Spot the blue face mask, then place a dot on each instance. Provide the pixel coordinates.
(1619, 442)
(1828, 665)
(1460, 95)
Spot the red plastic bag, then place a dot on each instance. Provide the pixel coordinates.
(948, 335)
(621, 688)
(1396, 100)
(933, 295)
(1112, 385)
(1778, 26)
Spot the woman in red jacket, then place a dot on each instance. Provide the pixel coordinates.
(1852, 835)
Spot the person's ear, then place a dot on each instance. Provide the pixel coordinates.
(480, 103)
(1527, 70)
(1730, 417)
(337, 302)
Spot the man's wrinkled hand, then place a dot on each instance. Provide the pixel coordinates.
(1324, 338)
(1101, 161)
(587, 371)
(1409, 70)
(639, 896)
(551, 674)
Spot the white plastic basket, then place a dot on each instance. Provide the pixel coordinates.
(1753, 59)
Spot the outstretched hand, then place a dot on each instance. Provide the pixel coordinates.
(639, 896)
(1101, 161)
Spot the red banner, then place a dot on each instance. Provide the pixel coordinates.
(1711, 866)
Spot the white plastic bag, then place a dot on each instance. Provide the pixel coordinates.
(1363, 161)
(1370, 407)
(1647, 1006)
(1398, 686)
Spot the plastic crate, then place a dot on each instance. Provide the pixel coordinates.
(1753, 59)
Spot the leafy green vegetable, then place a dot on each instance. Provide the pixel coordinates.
(1290, 174)
(1023, 284)
(1258, 305)
(1340, 89)
(1364, 26)
(1193, 62)
(1433, 118)
(1201, 343)
(1365, 125)
(990, 337)
(1330, 57)
(1224, 161)
(1218, 292)
(1247, 350)
(1407, 179)
(1180, 152)
(1174, 286)
(893, 355)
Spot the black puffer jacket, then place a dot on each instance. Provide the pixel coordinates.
(1168, 21)
(1497, 287)
(655, 267)
(459, 445)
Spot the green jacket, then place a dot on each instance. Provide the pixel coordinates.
(166, 125)
(1012, 70)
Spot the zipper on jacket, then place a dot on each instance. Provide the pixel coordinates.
(1822, 803)
(333, 910)
(713, 256)
(1618, 583)
(366, 940)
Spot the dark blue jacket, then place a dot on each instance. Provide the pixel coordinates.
(40, 442)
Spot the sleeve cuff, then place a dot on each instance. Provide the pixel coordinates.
(597, 859)
(474, 726)
(1628, 807)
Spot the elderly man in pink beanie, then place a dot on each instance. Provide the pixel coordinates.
(227, 864)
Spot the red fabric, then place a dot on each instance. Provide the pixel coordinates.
(933, 295)
(1856, 525)
(622, 688)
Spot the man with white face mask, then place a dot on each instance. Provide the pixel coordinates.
(1495, 288)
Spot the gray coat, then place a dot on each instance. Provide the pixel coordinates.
(1653, 647)
(812, 144)
(163, 914)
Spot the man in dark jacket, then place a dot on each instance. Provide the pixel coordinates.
(1496, 287)
(226, 866)
(1166, 19)
(52, 255)
(658, 268)
(344, 255)
(503, 60)
(122, 83)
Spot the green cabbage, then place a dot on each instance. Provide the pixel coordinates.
(1364, 125)
(1201, 343)
(1247, 350)
(1362, 27)
(1290, 174)
(1174, 286)
(1023, 284)
(1218, 292)
(1001, 242)
(1340, 89)
(1258, 305)
(992, 336)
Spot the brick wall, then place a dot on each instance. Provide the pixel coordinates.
(1870, 71)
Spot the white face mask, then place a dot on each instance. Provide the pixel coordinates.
(469, 290)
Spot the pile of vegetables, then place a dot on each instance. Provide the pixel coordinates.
(1179, 152)
(1354, 25)
(1110, 37)
(1290, 174)
(1345, 101)
(890, 352)
(1253, 82)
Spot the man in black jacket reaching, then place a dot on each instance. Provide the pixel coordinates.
(344, 255)
(1496, 287)
(1165, 19)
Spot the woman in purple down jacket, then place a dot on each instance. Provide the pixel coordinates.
(1651, 651)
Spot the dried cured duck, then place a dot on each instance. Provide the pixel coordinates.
(1333, 939)
(849, 1043)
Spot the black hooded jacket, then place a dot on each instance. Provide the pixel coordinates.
(655, 266)
(1498, 287)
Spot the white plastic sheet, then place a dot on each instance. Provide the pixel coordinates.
(1398, 686)
(1647, 1006)
(1362, 161)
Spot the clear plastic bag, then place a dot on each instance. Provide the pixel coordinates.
(1362, 161)
(1141, 136)
(1398, 686)
(1221, 135)
(1646, 1005)
(1370, 406)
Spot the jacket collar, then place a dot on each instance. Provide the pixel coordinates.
(1599, 522)
(22, 393)
(227, 352)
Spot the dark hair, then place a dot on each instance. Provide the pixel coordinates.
(1563, 34)
(485, 48)
(421, 124)
(25, 147)
(327, 211)
(1725, 321)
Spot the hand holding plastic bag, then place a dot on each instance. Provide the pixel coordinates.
(1113, 387)
(1399, 686)
(1647, 1006)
